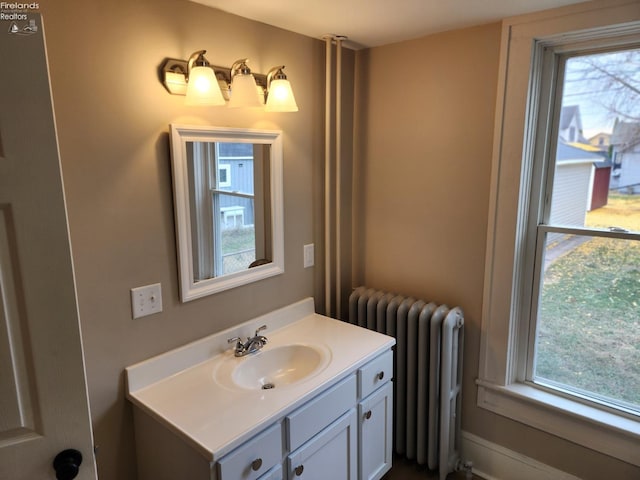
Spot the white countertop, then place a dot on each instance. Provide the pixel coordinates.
(179, 390)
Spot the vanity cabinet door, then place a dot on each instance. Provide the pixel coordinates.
(331, 454)
(375, 433)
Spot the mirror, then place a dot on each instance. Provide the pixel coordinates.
(227, 191)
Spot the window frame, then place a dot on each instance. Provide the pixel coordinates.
(524, 104)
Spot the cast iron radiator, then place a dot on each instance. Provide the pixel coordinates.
(427, 372)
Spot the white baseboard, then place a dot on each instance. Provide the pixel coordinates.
(494, 462)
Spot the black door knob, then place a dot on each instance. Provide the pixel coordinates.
(66, 464)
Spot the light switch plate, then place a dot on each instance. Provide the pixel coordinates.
(146, 300)
(309, 255)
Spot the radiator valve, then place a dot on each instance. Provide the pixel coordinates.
(467, 468)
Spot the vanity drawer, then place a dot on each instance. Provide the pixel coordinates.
(254, 458)
(308, 420)
(375, 374)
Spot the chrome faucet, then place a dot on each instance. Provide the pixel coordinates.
(252, 345)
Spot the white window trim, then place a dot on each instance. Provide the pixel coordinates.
(501, 384)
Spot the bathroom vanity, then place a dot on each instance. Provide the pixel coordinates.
(314, 403)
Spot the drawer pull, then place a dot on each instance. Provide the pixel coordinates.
(256, 464)
(380, 375)
(367, 415)
(299, 469)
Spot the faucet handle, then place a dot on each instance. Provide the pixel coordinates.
(238, 340)
(263, 327)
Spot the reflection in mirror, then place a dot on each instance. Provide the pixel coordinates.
(228, 205)
(228, 211)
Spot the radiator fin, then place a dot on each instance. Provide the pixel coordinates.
(427, 372)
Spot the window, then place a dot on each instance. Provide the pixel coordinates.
(586, 268)
(223, 175)
(234, 201)
(544, 196)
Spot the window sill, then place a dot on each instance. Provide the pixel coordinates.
(605, 432)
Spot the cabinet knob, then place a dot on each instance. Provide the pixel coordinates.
(367, 415)
(256, 464)
(381, 375)
(299, 469)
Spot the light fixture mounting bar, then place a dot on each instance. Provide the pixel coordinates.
(174, 75)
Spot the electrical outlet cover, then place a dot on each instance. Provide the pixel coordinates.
(309, 255)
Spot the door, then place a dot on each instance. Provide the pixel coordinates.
(43, 401)
(375, 415)
(331, 454)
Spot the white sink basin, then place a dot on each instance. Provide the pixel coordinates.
(274, 367)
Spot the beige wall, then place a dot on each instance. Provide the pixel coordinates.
(112, 116)
(425, 125)
(421, 185)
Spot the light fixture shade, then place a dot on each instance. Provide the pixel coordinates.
(281, 98)
(203, 88)
(244, 92)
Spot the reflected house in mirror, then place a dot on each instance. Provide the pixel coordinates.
(228, 207)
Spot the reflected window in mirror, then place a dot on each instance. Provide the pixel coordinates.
(228, 210)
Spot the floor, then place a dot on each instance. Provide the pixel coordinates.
(405, 470)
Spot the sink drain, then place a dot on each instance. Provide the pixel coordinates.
(268, 386)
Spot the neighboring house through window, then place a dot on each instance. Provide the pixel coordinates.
(625, 142)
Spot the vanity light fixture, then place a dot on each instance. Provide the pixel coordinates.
(202, 84)
(280, 96)
(206, 84)
(244, 90)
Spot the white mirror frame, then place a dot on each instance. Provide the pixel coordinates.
(180, 135)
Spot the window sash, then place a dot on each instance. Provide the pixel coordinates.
(538, 174)
(536, 289)
(546, 88)
(589, 232)
(215, 191)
